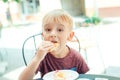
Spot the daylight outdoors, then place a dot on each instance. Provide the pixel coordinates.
(96, 26)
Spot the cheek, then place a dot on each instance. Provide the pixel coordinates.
(45, 37)
(64, 39)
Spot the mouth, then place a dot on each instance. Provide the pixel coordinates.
(54, 41)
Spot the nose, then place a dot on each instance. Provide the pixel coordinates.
(53, 33)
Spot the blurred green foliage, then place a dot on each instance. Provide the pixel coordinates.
(5, 0)
(11, 0)
(93, 20)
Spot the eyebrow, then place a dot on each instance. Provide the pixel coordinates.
(50, 24)
(61, 24)
(46, 25)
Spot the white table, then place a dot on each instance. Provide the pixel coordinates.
(14, 75)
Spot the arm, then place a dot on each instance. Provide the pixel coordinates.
(29, 72)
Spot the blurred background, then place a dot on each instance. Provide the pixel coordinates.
(96, 25)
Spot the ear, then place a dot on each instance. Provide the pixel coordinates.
(42, 35)
(71, 35)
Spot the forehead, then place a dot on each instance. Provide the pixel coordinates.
(54, 24)
(55, 20)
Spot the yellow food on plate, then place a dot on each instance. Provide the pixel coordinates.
(59, 75)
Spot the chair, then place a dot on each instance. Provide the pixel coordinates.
(31, 44)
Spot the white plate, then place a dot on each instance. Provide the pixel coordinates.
(69, 75)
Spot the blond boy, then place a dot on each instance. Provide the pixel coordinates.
(53, 53)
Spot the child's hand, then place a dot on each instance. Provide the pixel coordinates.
(44, 48)
(55, 45)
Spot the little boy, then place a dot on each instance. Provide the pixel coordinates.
(53, 53)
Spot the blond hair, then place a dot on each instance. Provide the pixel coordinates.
(58, 16)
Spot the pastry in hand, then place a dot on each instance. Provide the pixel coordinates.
(54, 48)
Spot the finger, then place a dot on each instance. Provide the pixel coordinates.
(54, 47)
(45, 44)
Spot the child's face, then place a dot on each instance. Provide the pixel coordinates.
(56, 32)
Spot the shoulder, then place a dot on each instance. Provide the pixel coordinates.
(74, 51)
(76, 54)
